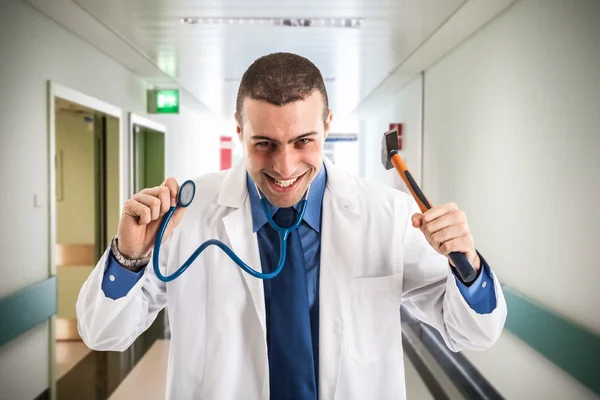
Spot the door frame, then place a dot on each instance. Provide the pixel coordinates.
(136, 119)
(56, 90)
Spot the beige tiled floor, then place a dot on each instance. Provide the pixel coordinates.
(147, 379)
(67, 355)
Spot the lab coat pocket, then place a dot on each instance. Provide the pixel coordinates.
(374, 332)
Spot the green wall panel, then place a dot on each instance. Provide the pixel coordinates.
(572, 348)
(27, 308)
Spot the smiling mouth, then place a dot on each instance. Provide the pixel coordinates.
(284, 185)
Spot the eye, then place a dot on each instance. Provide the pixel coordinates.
(264, 145)
(304, 141)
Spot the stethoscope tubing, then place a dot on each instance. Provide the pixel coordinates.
(282, 231)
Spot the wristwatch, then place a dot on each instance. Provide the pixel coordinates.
(129, 263)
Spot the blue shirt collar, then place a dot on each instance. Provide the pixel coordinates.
(312, 216)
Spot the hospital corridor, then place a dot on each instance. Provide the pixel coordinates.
(299, 199)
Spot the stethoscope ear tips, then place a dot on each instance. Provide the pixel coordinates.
(186, 193)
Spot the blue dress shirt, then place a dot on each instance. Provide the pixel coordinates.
(118, 280)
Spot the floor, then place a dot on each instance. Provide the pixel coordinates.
(68, 354)
(148, 379)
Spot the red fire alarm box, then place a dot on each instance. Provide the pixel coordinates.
(398, 127)
(226, 152)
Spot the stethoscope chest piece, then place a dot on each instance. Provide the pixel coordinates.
(186, 193)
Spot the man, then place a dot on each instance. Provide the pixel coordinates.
(328, 326)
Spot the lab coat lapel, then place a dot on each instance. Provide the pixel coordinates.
(244, 242)
(340, 249)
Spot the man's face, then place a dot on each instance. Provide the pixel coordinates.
(284, 146)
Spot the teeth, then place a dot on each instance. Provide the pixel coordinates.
(285, 183)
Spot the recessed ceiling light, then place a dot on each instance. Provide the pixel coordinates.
(289, 22)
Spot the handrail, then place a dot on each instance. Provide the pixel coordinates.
(446, 374)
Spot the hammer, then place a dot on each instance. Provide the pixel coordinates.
(391, 158)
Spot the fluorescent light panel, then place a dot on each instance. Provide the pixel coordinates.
(291, 22)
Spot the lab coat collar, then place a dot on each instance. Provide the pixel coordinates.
(234, 189)
(341, 188)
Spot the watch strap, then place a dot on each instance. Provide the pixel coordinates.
(129, 263)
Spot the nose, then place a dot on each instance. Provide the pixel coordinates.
(284, 163)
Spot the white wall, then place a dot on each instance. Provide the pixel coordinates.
(197, 151)
(517, 371)
(512, 135)
(34, 50)
(405, 109)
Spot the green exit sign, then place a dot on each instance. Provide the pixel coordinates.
(163, 101)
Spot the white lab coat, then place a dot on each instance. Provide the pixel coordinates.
(372, 260)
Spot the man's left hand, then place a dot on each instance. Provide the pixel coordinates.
(446, 230)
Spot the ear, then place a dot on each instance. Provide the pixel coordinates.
(328, 123)
(238, 128)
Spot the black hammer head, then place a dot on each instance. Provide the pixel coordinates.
(388, 143)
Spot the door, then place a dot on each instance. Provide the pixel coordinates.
(87, 213)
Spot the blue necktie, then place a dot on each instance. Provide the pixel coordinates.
(291, 363)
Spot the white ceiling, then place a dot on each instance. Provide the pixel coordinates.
(208, 61)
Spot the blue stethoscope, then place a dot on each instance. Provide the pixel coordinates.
(185, 198)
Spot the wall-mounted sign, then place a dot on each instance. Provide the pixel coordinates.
(162, 101)
(342, 137)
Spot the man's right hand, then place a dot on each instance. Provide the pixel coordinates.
(142, 217)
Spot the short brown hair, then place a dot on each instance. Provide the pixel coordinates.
(281, 78)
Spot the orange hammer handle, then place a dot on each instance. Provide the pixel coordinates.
(464, 269)
(420, 198)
